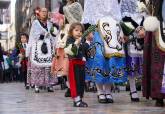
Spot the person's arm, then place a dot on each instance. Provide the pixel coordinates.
(84, 47)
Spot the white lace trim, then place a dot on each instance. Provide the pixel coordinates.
(96, 9)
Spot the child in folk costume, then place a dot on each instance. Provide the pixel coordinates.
(59, 66)
(72, 11)
(88, 51)
(107, 36)
(22, 58)
(154, 53)
(21, 51)
(133, 18)
(112, 37)
(76, 64)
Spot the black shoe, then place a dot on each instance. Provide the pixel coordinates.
(27, 87)
(32, 86)
(101, 100)
(134, 99)
(67, 93)
(159, 103)
(50, 89)
(109, 100)
(80, 104)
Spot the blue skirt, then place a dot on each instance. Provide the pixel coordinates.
(117, 69)
(102, 70)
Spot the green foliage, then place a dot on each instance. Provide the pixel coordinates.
(74, 49)
(126, 30)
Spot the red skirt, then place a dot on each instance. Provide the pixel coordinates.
(154, 60)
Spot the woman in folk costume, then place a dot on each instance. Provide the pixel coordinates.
(72, 11)
(40, 51)
(36, 16)
(107, 38)
(154, 53)
(133, 16)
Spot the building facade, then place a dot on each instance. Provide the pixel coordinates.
(5, 22)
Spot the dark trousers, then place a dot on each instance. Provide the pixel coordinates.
(77, 77)
(6, 75)
(23, 75)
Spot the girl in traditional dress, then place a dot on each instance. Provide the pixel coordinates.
(132, 17)
(96, 11)
(76, 64)
(40, 51)
(22, 58)
(88, 51)
(72, 11)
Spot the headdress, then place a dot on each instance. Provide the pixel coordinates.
(73, 12)
(90, 29)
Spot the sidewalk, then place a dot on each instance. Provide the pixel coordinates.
(14, 99)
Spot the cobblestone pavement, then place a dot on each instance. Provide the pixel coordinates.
(14, 99)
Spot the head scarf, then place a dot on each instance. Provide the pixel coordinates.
(73, 12)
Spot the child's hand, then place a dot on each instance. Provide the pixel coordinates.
(83, 59)
(122, 40)
(78, 41)
(125, 38)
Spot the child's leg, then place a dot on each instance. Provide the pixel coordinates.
(133, 91)
(77, 82)
(108, 93)
(67, 93)
(101, 93)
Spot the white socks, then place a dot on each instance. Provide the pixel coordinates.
(108, 91)
(133, 87)
(77, 99)
(67, 83)
(105, 90)
(100, 91)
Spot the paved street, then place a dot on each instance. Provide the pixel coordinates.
(14, 99)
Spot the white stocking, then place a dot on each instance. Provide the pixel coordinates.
(107, 88)
(133, 87)
(67, 84)
(100, 91)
